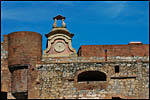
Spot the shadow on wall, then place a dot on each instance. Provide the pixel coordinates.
(3, 95)
(20, 95)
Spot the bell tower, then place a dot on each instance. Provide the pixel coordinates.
(59, 41)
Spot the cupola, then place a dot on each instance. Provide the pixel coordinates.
(59, 40)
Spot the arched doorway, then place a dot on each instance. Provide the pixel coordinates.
(92, 76)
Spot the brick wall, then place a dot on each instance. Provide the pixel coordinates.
(19, 80)
(24, 46)
(24, 50)
(114, 50)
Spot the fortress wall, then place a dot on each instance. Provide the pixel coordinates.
(93, 59)
(24, 46)
(60, 80)
(23, 49)
(114, 50)
(5, 74)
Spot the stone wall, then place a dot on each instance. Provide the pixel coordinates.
(60, 78)
(4, 58)
(5, 74)
(92, 59)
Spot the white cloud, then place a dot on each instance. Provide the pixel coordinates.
(115, 10)
(108, 9)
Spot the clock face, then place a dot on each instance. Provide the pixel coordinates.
(59, 47)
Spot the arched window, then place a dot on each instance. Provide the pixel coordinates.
(92, 76)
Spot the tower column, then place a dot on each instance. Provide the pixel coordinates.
(55, 23)
(63, 23)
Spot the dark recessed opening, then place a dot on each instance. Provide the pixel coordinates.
(13, 68)
(32, 69)
(14, 49)
(70, 79)
(37, 82)
(40, 67)
(3, 95)
(116, 69)
(20, 95)
(92, 76)
(116, 98)
(105, 54)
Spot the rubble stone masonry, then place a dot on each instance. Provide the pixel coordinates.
(60, 79)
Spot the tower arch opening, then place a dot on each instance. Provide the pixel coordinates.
(59, 23)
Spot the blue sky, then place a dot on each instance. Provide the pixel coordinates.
(92, 22)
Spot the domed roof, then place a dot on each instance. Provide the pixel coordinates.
(59, 30)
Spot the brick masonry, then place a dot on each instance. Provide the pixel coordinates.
(21, 52)
(129, 50)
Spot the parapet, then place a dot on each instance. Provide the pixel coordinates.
(130, 50)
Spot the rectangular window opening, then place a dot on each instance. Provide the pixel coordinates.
(117, 69)
(70, 79)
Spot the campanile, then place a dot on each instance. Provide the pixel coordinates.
(59, 41)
